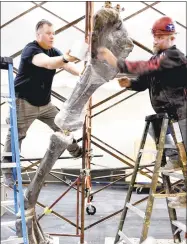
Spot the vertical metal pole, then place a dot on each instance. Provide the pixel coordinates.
(82, 176)
(171, 211)
(11, 107)
(182, 151)
(16, 151)
(78, 187)
(87, 124)
(156, 171)
(133, 179)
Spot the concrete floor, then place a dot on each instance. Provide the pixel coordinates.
(106, 202)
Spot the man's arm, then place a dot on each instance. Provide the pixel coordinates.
(170, 60)
(44, 61)
(71, 68)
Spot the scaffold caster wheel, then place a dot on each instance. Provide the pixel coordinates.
(90, 198)
(139, 190)
(91, 210)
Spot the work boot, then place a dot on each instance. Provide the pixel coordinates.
(171, 166)
(8, 180)
(75, 150)
(179, 202)
(76, 153)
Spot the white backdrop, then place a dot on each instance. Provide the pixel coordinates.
(121, 126)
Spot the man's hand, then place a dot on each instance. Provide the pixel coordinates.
(105, 54)
(70, 58)
(124, 82)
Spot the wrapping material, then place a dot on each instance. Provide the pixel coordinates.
(108, 31)
(71, 115)
(79, 50)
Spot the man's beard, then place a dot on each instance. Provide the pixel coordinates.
(156, 49)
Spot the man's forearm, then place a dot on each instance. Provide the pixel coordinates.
(71, 68)
(138, 67)
(56, 62)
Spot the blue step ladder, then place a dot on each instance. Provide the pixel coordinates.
(6, 63)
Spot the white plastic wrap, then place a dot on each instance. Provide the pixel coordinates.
(108, 31)
(79, 49)
(71, 115)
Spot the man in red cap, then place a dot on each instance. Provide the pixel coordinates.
(165, 75)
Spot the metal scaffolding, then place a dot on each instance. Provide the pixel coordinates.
(82, 184)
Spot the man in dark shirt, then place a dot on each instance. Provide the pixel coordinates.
(39, 61)
(165, 75)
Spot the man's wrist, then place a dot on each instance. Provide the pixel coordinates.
(64, 59)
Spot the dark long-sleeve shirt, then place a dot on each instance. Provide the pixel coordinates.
(165, 75)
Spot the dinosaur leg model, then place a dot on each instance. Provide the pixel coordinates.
(108, 31)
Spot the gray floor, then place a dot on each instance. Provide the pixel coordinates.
(106, 202)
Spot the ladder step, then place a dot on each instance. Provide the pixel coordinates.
(6, 154)
(5, 95)
(13, 240)
(8, 223)
(8, 165)
(180, 225)
(135, 210)
(154, 151)
(13, 165)
(148, 151)
(170, 146)
(125, 238)
(5, 126)
(7, 203)
(174, 175)
(157, 195)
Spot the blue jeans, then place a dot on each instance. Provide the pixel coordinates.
(172, 153)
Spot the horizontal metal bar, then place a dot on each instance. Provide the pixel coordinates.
(157, 195)
(108, 176)
(22, 14)
(36, 159)
(58, 96)
(142, 46)
(110, 184)
(140, 11)
(158, 11)
(106, 144)
(57, 16)
(60, 173)
(69, 25)
(109, 98)
(113, 105)
(135, 210)
(103, 219)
